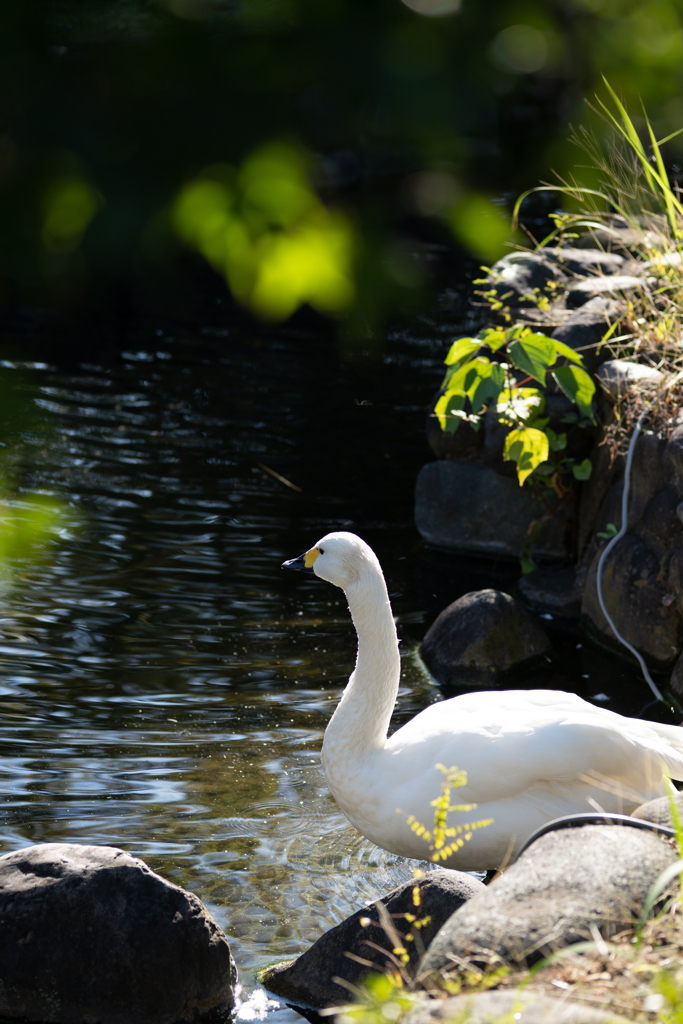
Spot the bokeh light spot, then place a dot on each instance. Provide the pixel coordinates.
(266, 230)
(434, 8)
(69, 206)
(520, 48)
(481, 226)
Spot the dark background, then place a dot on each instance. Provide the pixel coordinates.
(134, 97)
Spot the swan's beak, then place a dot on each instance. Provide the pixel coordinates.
(304, 563)
(298, 563)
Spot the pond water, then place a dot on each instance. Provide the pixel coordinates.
(164, 686)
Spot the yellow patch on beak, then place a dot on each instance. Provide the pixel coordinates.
(310, 557)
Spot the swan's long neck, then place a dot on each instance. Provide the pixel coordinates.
(360, 723)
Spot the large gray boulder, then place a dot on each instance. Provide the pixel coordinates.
(505, 1005)
(465, 507)
(89, 933)
(615, 285)
(584, 328)
(616, 375)
(520, 277)
(565, 884)
(586, 261)
(350, 951)
(479, 638)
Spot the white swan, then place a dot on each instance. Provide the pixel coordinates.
(529, 754)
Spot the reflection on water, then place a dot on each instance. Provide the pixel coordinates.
(164, 687)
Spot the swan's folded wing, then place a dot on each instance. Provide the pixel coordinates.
(509, 742)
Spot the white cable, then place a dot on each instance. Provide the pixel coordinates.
(622, 531)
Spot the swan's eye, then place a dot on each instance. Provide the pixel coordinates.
(321, 550)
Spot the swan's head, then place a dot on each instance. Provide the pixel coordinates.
(339, 558)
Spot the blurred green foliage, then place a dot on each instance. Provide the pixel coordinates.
(28, 527)
(415, 114)
(266, 230)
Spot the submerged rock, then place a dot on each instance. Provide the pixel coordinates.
(89, 933)
(564, 884)
(347, 951)
(480, 637)
(464, 507)
(554, 589)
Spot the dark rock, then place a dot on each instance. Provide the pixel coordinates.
(615, 375)
(675, 577)
(507, 1005)
(465, 443)
(594, 491)
(89, 933)
(650, 474)
(584, 329)
(616, 285)
(479, 637)
(636, 598)
(659, 526)
(674, 456)
(555, 589)
(586, 261)
(566, 882)
(517, 277)
(464, 507)
(676, 681)
(659, 810)
(308, 980)
(495, 434)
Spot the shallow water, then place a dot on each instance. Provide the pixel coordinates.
(164, 686)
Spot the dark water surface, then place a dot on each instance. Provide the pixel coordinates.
(164, 686)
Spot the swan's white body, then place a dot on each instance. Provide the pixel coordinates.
(530, 755)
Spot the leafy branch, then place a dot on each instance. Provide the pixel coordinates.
(441, 831)
(475, 383)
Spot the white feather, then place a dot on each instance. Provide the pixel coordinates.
(530, 755)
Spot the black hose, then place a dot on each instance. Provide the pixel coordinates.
(594, 818)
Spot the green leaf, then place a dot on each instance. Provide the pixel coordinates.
(452, 401)
(479, 379)
(558, 442)
(536, 353)
(493, 338)
(489, 385)
(461, 350)
(609, 532)
(566, 351)
(520, 405)
(583, 470)
(578, 387)
(533, 354)
(528, 448)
